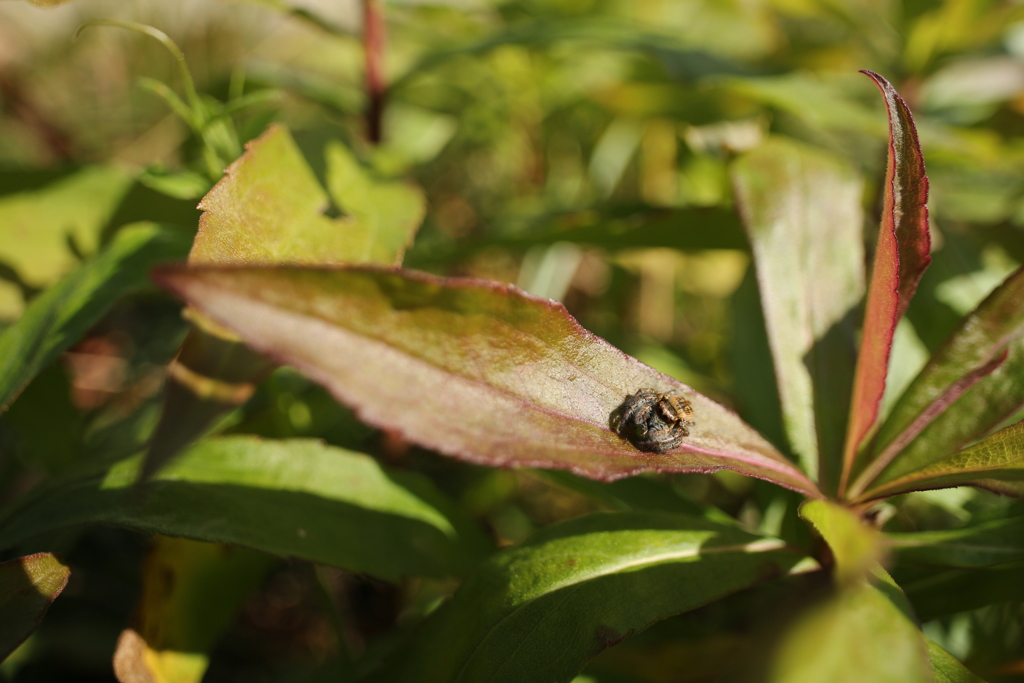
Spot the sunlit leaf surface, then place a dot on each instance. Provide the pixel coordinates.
(191, 593)
(996, 463)
(288, 498)
(803, 217)
(541, 610)
(472, 369)
(900, 259)
(27, 587)
(968, 386)
(858, 635)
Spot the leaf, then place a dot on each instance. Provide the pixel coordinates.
(191, 593)
(856, 547)
(980, 545)
(802, 212)
(541, 610)
(995, 463)
(43, 227)
(946, 668)
(27, 587)
(472, 369)
(941, 593)
(269, 208)
(860, 634)
(289, 498)
(986, 339)
(902, 255)
(60, 316)
(384, 215)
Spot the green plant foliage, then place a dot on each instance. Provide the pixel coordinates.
(541, 340)
(433, 346)
(27, 587)
(57, 318)
(289, 498)
(546, 607)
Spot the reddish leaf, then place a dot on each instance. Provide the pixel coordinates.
(900, 259)
(980, 345)
(473, 369)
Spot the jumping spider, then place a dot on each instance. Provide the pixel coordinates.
(654, 422)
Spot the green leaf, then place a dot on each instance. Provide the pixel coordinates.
(539, 611)
(986, 339)
(191, 593)
(980, 545)
(860, 634)
(472, 369)
(941, 593)
(995, 463)
(855, 546)
(60, 316)
(269, 208)
(946, 668)
(290, 498)
(810, 286)
(40, 225)
(385, 215)
(902, 255)
(27, 587)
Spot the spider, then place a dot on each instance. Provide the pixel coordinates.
(654, 422)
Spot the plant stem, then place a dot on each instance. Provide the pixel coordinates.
(373, 45)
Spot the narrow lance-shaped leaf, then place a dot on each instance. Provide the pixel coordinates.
(289, 498)
(900, 259)
(191, 593)
(947, 669)
(473, 369)
(966, 388)
(61, 315)
(803, 217)
(979, 545)
(540, 611)
(995, 463)
(28, 585)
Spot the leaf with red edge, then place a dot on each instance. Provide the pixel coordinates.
(27, 587)
(995, 463)
(980, 345)
(902, 255)
(473, 369)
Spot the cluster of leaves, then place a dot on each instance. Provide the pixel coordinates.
(298, 257)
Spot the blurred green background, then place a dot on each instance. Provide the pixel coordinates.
(578, 148)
